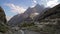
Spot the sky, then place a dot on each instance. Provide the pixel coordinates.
(13, 7)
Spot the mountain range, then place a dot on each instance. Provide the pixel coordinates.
(29, 13)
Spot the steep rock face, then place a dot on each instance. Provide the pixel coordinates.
(3, 27)
(2, 15)
(55, 10)
(21, 17)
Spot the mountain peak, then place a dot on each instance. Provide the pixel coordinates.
(29, 7)
(37, 5)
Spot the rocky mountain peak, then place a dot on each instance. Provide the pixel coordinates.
(37, 5)
(29, 12)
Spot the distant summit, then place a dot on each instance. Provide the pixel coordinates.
(37, 6)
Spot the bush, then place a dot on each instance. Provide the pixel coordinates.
(3, 28)
(27, 25)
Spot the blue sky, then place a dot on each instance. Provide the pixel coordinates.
(13, 7)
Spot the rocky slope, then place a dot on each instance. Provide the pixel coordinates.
(55, 10)
(51, 20)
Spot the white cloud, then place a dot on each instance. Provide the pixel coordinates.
(34, 1)
(52, 3)
(16, 8)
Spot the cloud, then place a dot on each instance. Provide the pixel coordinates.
(52, 3)
(16, 8)
(34, 1)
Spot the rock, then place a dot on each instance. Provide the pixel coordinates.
(3, 21)
(2, 15)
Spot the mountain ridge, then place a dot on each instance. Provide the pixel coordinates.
(26, 14)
